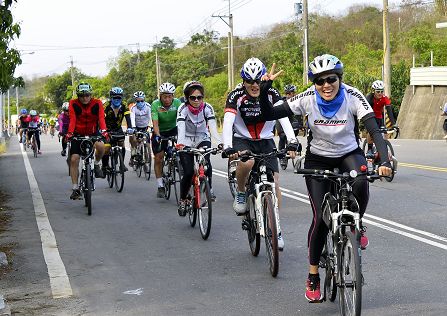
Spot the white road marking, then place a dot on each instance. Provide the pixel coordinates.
(134, 292)
(367, 219)
(59, 282)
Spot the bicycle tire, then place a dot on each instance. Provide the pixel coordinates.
(192, 212)
(254, 239)
(350, 275)
(138, 163)
(119, 170)
(111, 172)
(284, 163)
(330, 281)
(167, 178)
(390, 153)
(68, 158)
(147, 158)
(205, 211)
(176, 183)
(88, 189)
(232, 179)
(34, 144)
(271, 234)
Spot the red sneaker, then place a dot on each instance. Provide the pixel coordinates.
(313, 293)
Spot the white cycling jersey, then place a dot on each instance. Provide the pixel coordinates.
(141, 118)
(336, 136)
(193, 129)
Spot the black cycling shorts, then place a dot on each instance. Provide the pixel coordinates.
(75, 145)
(262, 146)
(157, 147)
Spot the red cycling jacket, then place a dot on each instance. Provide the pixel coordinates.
(379, 104)
(86, 119)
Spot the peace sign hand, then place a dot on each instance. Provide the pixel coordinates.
(271, 75)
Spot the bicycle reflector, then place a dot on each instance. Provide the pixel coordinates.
(86, 147)
(363, 168)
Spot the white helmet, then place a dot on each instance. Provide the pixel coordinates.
(378, 85)
(139, 94)
(324, 64)
(253, 69)
(65, 106)
(167, 88)
(33, 112)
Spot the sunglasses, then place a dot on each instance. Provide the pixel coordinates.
(83, 95)
(322, 81)
(116, 98)
(196, 98)
(251, 81)
(379, 91)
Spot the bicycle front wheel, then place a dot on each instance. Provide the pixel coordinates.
(34, 146)
(350, 272)
(205, 208)
(147, 162)
(119, 170)
(390, 150)
(271, 234)
(167, 178)
(88, 189)
(254, 239)
(176, 182)
(111, 172)
(327, 262)
(137, 163)
(231, 174)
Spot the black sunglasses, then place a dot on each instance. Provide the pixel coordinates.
(84, 95)
(251, 81)
(379, 91)
(196, 98)
(117, 98)
(322, 81)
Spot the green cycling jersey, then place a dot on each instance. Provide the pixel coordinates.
(166, 117)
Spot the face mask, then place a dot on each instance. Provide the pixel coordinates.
(140, 105)
(116, 103)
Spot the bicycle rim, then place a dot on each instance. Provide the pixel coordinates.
(192, 213)
(34, 147)
(147, 162)
(205, 209)
(167, 179)
(137, 163)
(330, 286)
(390, 155)
(350, 270)
(119, 171)
(271, 234)
(111, 172)
(232, 178)
(254, 239)
(88, 189)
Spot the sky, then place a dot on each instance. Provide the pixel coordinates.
(93, 32)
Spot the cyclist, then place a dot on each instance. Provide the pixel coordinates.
(86, 118)
(115, 111)
(333, 108)
(164, 118)
(253, 130)
(377, 100)
(52, 124)
(64, 122)
(444, 125)
(24, 122)
(140, 116)
(196, 123)
(34, 124)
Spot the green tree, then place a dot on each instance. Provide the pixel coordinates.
(10, 58)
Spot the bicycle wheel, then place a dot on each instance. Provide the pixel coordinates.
(231, 174)
(327, 262)
(119, 170)
(350, 273)
(138, 162)
(34, 144)
(254, 239)
(147, 161)
(68, 158)
(271, 234)
(390, 156)
(192, 212)
(167, 178)
(205, 210)
(176, 182)
(88, 189)
(111, 172)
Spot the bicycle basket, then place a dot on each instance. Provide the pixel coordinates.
(86, 147)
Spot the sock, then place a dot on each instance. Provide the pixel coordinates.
(75, 186)
(159, 182)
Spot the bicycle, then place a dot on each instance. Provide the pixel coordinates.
(372, 156)
(231, 175)
(142, 161)
(261, 218)
(33, 140)
(24, 133)
(115, 173)
(87, 179)
(200, 205)
(171, 169)
(341, 256)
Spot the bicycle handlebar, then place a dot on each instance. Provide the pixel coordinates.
(247, 154)
(319, 173)
(200, 151)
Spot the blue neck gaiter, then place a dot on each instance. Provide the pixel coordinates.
(329, 108)
(116, 103)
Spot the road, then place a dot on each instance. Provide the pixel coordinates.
(136, 256)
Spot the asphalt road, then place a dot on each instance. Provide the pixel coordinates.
(136, 256)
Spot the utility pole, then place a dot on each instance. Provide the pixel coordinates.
(1, 119)
(17, 103)
(9, 116)
(305, 42)
(138, 52)
(157, 68)
(230, 45)
(386, 51)
(72, 75)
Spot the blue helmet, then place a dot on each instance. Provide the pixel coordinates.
(253, 69)
(23, 111)
(116, 91)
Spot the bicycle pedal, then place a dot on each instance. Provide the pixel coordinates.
(245, 225)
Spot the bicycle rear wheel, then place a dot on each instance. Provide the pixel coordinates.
(138, 162)
(254, 239)
(119, 170)
(350, 275)
(88, 187)
(68, 158)
(205, 210)
(176, 182)
(34, 145)
(271, 234)
(192, 212)
(390, 155)
(231, 174)
(167, 178)
(147, 161)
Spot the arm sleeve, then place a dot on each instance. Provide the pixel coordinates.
(72, 125)
(287, 128)
(212, 124)
(181, 126)
(373, 130)
(128, 120)
(132, 118)
(227, 133)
